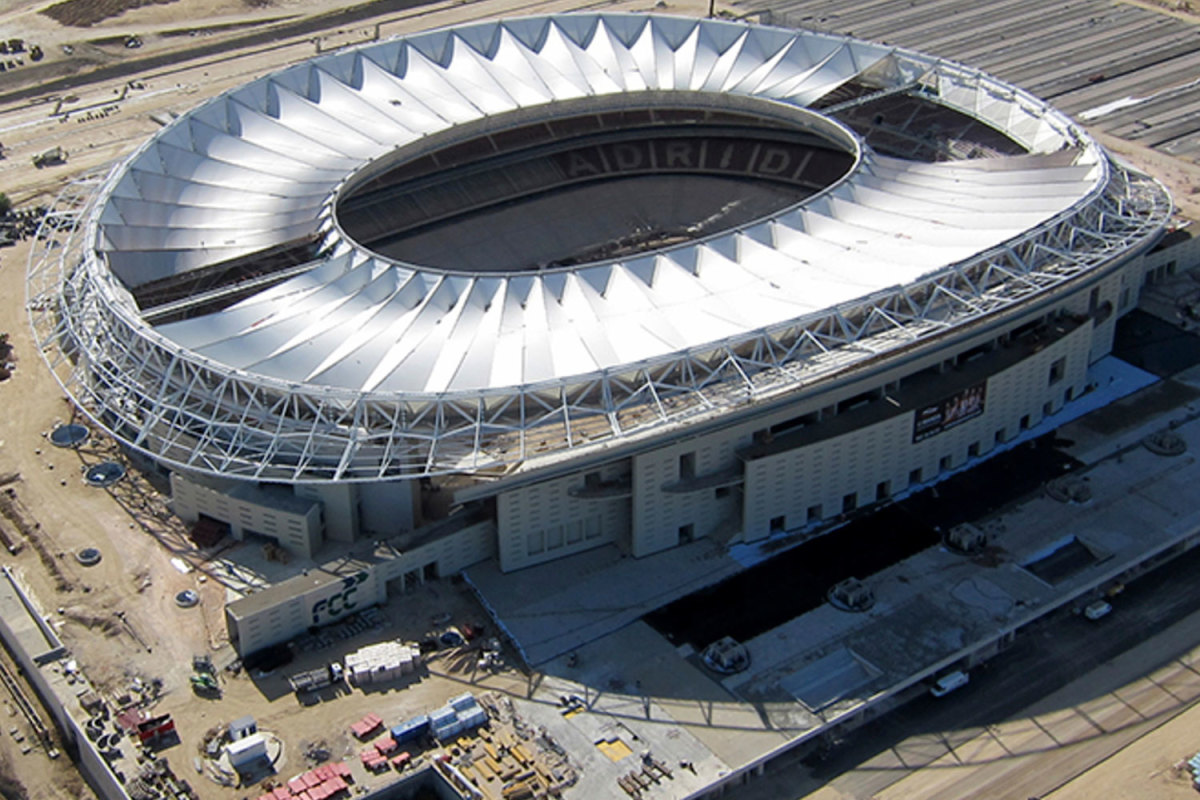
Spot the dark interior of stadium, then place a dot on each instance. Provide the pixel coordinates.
(588, 187)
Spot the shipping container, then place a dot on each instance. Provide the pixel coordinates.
(411, 729)
(464, 702)
(441, 715)
(473, 718)
(448, 730)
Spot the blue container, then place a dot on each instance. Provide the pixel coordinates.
(411, 729)
(473, 719)
(444, 713)
(447, 731)
(464, 702)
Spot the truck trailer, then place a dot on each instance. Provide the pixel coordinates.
(316, 679)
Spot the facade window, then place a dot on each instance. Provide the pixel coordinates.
(1069, 395)
(945, 463)
(814, 513)
(1047, 409)
(849, 502)
(687, 533)
(972, 449)
(914, 477)
(883, 490)
(1025, 422)
(687, 466)
(722, 492)
(1001, 436)
(858, 401)
(1057, 370)
(778, 524)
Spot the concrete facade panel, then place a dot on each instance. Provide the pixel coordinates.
(543, 521)
(300, 532)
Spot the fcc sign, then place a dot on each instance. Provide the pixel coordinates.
(341, 602)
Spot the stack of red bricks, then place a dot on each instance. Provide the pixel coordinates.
(321, 783)
(375, 757)
(365, 727)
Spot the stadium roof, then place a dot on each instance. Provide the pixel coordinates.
(260, 165)
(895, 249)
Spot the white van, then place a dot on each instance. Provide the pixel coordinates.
(949, 682)
(1097, 609)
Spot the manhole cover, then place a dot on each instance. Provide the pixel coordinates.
(88, 556)
(187, 598)
(106, 473)
(69, 435)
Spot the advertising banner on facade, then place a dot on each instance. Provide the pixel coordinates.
(954, 410)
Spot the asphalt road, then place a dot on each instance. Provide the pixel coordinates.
(1046, 657)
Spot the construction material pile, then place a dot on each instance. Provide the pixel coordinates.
(378, 663)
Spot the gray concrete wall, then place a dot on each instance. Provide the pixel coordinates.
(388, 508)
(34, 666)
(820, 475)
(660, 515)
(339, 504)
(253, 628)
(299, 532)
(544, 521)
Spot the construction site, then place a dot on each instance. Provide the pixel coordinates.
(712, 670)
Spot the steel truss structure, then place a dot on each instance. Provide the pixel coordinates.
(160, 392)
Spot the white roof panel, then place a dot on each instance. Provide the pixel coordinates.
(261, 165)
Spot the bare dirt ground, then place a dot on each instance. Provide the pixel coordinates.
(1181, 9)
(85, 13)
(135, 574)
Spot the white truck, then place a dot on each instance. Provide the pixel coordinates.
(315, 679)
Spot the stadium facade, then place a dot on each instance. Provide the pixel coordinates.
(523, 288)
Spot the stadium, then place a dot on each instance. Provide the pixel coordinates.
(523, 288)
